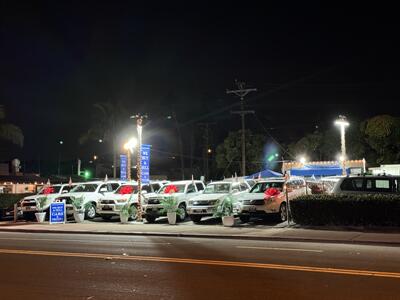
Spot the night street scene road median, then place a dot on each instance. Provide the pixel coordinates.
(199, 151)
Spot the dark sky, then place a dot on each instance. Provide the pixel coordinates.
(309, 64)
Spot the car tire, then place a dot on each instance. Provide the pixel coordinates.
(182, 207)
(90, 212)
(150, 219)
(282, 215)
(106, 217)
(195, 218)
(244, 218)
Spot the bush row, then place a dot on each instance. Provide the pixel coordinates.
(355, 210)
(8, 200)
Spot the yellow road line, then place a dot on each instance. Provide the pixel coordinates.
(280, 249)
(206, 262)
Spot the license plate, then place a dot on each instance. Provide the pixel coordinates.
(106, 207)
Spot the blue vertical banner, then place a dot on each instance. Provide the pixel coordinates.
(123, 166)
(145, 163)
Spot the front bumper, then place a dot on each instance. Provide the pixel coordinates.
(206, 210)
(153, 209)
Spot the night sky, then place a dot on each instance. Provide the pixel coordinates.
(309, 64)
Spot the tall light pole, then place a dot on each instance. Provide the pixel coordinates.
(59, 158)
(342, 122)
(139, 120)
(242, 92)
(129, 147)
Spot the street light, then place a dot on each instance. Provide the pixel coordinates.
(342, 123)
(129, 146)
(303, 160)
(61, 142)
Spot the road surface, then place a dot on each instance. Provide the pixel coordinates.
(67, 266)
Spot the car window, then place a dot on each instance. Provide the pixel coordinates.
(114, 186)
(68, 188)
(191, 188)
(199, 186)
(155, 187)
(146, 188)
(262, 186)
(243, 187)
(382, 185)
(85, 188)
(352, 184)
(108, 187)
(397, 183)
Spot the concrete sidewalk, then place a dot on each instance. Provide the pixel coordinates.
(279, 232)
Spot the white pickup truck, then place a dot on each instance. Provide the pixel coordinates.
(28, 204)
(268, 197)
(111, 204)
(91, 192)
(204, 204)
(183, 191)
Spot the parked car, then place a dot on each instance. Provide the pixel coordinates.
(268, 197)
(183, 191)
(385, 184)
(111, 204)
(28, 204)
(91, 192)
(204, 204)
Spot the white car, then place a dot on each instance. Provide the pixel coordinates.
(204, 205)
(91, 192)
(384, 184)
(268, 196)
(183, 191)
(111, 204)
(28, 204)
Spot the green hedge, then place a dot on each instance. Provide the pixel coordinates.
(354, 210)
(8, 200)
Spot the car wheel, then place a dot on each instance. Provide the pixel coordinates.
(183, 216)
(195, 218)
(106, 217)
(150, 219)
(90, 212)
(244, 218)
(283, 212)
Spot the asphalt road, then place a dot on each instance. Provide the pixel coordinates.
(56, 266)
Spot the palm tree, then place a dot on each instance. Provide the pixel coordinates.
(109, 120)
(9, 131)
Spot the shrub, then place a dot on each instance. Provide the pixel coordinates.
(8, 200)
(128, 210)
(354, 209)
(169, 205)
(224, 207)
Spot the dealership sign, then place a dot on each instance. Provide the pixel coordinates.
(145, 163)
(123, 168)
(57, 213)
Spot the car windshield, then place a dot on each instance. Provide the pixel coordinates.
(262, 186)
(217, 188)
(126, 189)
(172, 188)
(55, 189)
(85, 188)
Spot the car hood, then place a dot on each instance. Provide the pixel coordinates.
(34, 197)
(113, 196)
(213, 196)
(250, 196)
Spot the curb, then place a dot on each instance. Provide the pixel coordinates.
(208, 236)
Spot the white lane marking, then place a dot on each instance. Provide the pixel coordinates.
(84, 241)
(280, 249)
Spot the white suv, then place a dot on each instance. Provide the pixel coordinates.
(268, 196)
(184, 191)
(111, 204)
(28, 204)
(91, 192)
(204, 205)
(384, 184)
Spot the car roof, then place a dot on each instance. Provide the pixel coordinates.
(185, 181)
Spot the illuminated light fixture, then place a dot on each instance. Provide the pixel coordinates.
(209, 150)
(94, 157)
(303, 160)
(131, 144)
(100, 140)
(61, 142)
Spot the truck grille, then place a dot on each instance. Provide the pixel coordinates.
(204, 202)
(153, 201)
(29, 203)
(107, 201)
(254, 202)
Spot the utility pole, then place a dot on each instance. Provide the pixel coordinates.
(207, 150)
(139, 120)
(242, 92)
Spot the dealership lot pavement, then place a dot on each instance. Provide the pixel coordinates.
(211, 228)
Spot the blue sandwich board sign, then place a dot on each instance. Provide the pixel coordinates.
(145, 163)
(57, 213)
(124, 167)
